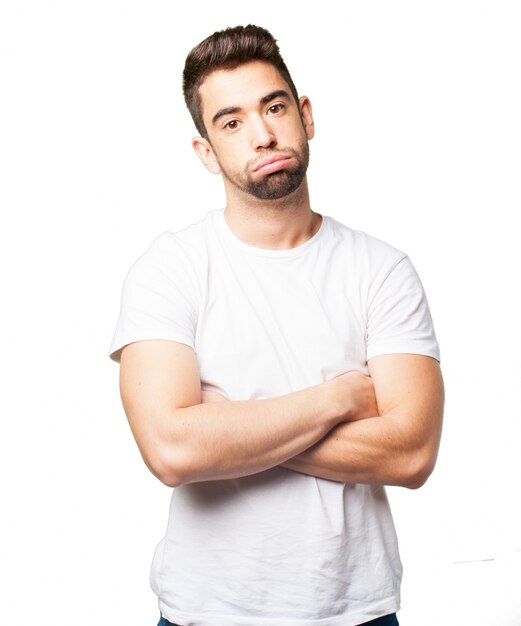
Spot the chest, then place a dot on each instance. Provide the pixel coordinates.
(267, 328)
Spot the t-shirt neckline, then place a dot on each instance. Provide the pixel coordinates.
(267, 252)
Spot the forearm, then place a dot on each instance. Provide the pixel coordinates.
(377, 450)
(186, 435)
(401, 445)
(224, 440)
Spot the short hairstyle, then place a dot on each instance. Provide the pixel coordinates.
(227, 49)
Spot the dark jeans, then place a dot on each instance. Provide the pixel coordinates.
(388, 620)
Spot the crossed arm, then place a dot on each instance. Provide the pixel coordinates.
(399, 445)
(382, 429)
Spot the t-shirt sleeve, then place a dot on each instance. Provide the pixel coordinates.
(399, 320)
(158, 300)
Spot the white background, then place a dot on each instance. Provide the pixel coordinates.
(417, 109)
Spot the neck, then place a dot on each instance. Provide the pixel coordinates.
(274, 224)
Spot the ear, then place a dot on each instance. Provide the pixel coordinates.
(306, 113)
(203, 149)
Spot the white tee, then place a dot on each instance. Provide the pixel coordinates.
(277, 548)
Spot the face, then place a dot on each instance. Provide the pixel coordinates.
(258, 135)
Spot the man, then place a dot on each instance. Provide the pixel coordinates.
(277, 369)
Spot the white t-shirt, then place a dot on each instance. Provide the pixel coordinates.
(278, 548)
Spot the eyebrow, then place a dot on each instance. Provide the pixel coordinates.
(279, 93)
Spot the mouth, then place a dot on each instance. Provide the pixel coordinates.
(272, 164)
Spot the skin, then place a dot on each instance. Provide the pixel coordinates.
(381, 429)
(242, 139)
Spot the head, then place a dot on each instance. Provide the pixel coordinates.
(246, 108)
(227, 49)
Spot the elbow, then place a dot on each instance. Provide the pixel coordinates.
(167, 466)
(418, 459)
(169, 478)
(416, 480)
(417, 469)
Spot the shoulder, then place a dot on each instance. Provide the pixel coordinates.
(369, 256)
(190, 241)
(181, 251)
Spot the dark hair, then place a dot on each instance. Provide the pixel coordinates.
(227, 49)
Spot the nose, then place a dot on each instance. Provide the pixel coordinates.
(262, 134)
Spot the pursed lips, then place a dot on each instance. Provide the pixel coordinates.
(272, 164)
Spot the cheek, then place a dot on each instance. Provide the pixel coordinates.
(231, 163)
(294, 135)
(235, 160)
(233, 155)
(226, 156)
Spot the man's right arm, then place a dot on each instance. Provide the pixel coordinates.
(182, 440)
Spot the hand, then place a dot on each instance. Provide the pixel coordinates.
(355, 395)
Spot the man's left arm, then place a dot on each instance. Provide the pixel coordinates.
(397, 447)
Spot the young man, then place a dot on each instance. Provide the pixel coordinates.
(277, 369)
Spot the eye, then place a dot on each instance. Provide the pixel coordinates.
(232, 125)
(275, 108)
